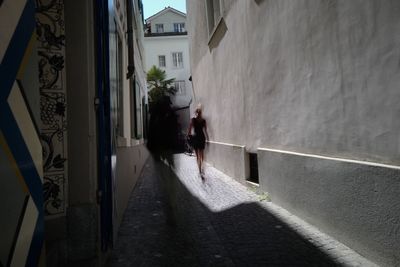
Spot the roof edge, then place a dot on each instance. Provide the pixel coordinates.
(165, 10)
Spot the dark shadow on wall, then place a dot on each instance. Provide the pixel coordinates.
(180, 230)
(259, 1)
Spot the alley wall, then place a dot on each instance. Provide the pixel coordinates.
(316, 80)
(81, 234)
(317, 77)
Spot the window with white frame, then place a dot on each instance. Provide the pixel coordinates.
(161, 61)
(177, 59)
(180, 87)
(214, 13)
(179, 27)
(159, 28)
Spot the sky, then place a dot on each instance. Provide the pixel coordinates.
(151, 7)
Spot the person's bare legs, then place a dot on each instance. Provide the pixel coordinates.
(201, 156)
(197, 151)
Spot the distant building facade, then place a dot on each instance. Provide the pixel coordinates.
(302, 99)
(166, 47)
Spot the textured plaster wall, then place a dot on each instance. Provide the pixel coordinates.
(228, 159)
(131, 156)
(356, 203)
(82, 163)
(308, 76)
(83, 211)
(129, 166)
(139, 56)
(316, 77)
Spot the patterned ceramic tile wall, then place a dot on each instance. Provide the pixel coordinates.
(53, 133)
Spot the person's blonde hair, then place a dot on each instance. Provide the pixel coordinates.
(198, 109)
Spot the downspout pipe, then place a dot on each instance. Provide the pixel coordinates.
(131, 61)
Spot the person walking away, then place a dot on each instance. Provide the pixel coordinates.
(199, 125)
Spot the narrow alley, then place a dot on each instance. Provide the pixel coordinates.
(293, 106)
(215, 222)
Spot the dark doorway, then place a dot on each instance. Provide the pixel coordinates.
(253, 164)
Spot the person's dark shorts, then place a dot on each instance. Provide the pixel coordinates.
(199, 142)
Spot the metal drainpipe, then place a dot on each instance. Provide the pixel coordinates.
(131, 60)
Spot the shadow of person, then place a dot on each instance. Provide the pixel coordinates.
(162, 142)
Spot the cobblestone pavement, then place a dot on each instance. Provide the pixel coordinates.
(174, 218)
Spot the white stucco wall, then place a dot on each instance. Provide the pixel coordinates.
(139, 60)
(355, 202)
(125, 137)
(316, 77)
(131, 153)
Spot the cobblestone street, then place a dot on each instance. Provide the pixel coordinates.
(176, 219)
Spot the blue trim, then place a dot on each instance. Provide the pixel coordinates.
(103, 116)
(108, 199)
(16, 49)
(21, 154)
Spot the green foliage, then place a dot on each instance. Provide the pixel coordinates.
(264, 197)
(163, 123)
(159, 86)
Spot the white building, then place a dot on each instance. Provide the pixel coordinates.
(166, 47)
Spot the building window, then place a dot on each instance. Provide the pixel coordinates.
(180, 87)
(159, 28)
(179, 27)
(161, 61)
(214, 14)
(177, 60)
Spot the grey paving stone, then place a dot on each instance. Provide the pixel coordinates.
(174, 218)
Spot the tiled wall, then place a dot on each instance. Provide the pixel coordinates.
(50, 32)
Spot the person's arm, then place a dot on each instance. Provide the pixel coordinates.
(190, 128)
(205, 131)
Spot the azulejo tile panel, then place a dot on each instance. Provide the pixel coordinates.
(50, 32)
(54, 193)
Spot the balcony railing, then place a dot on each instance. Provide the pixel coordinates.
(149, 34)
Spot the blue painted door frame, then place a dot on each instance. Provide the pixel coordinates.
(104, 122)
